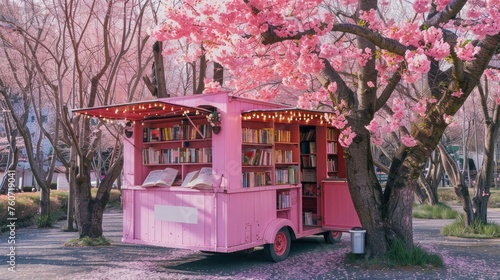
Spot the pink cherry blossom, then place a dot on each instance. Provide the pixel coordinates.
(417, 61)
(405, 33)
(492, 74)
(457, 94)
(373, 126)
(371, 17)
(434, 44)
(465, 50)
(332, 87)
(376, 139)
(336, 119)
(408, 141)
(448, 119)
(440, 4)
(398, 108)
(420, 107)
(211, 86)
(346, 137)
(421, 6)
(267, 93)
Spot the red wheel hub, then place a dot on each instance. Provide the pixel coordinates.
(280, 243)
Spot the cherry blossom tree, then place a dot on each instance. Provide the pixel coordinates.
(491, 111)
(361, 52)
(85, 53)
(18, 86)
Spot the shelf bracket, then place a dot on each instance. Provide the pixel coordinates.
(194, 126)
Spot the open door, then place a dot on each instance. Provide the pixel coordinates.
(338, 210)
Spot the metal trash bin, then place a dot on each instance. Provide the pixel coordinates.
(357, 240)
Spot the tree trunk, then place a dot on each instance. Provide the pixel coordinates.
(364, 187)
(87, 212)
(457, 180)
(90, 211)
(71, 195)
(44, 201)
(485, 179)
(399, 195)
(218, 73)
(426, 193)
(159, 71)
(202, 75)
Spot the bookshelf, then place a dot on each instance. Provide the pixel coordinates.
(309, 174)
(332, 153)
(270, 157)
(178, 144)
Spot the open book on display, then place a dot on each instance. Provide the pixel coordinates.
(160, 178)
(199, 179)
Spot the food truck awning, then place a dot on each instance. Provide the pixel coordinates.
(285, 114)
(141, 110)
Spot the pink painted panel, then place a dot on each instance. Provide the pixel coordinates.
(142, 211)
(154, 223)
(248, 215)
(339, 212)
(128, 214)
(133, 160)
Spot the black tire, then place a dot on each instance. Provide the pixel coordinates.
(279, 250)
(332, 236)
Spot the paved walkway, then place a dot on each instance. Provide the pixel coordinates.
(40, 254)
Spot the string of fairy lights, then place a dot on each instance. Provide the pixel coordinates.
(144, 111)
(285, 116)
(156, 110)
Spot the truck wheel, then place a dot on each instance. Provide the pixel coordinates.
(278, 251)
(332, 236)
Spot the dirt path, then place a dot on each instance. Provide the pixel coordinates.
(40, 254)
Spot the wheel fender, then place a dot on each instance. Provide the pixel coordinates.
(274, 226)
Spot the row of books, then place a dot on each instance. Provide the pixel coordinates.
(282, 135)
(176, 155)
(331, 134)
(287, 175)
(176, 132)
(308, 147)
(308, 219)
(283, 199)
(331, 165)
(308, 160)
(256, 179)
(258, 135)
(331, 147)
(283, 156)
(257, 157)
(309, 135)
(308, 175)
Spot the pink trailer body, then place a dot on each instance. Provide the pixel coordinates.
(268, 162)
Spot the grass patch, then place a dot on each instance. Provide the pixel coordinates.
(27, 205)
(476, 230)
(448, 194)
(115, 199)
(399, 256)
(88, 241)
(26, 208)
(44, 220)
(438, 211)
(414, 257)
